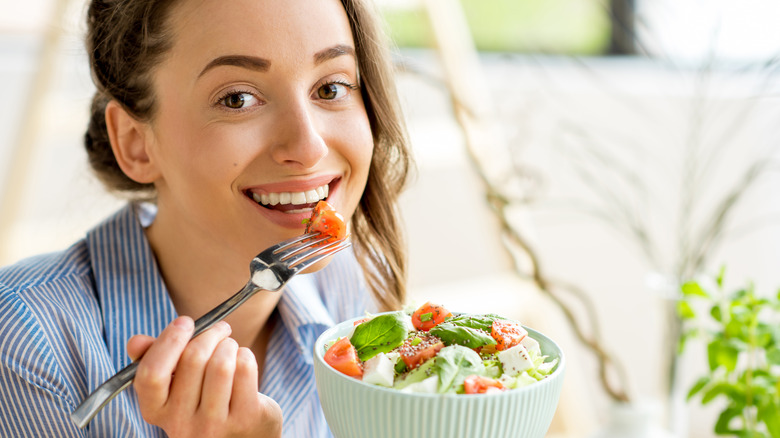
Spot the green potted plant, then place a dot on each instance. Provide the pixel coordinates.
(741, 331)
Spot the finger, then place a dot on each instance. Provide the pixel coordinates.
(187, 384)
(153, 377)
(137, 346)
(245, 382)
(218, 380)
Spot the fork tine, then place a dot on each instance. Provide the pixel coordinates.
(284, 252)
(302, 261)
(290, 242)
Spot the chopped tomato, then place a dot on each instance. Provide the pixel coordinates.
(326, 220)
(429, 315)
(475, 384)
(360, 321)
(417, 349)
(507, 333)
(343, 357)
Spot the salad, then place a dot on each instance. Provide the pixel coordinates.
(431, 350)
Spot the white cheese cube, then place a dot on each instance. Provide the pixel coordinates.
(408, 323)
(532, 345)
(515, 360)
(379, 370)
(393, 356)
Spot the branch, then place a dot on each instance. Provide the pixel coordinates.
(606, 361)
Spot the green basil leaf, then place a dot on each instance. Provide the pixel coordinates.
(479, 322)
(453, 364)
(379, 335)
(452, 334)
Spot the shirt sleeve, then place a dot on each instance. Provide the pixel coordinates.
(32, 403)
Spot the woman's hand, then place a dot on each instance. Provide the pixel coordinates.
(213, 392)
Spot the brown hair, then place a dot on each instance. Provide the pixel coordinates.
(126, 39)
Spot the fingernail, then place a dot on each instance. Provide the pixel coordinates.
(183, 322)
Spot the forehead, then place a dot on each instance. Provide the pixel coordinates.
(271, 29)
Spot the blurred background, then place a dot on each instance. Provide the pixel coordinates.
(577, 160)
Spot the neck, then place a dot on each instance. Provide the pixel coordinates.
(199, 276)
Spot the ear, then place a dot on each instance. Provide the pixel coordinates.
(131, 140)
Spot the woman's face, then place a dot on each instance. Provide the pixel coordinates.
(257, 104)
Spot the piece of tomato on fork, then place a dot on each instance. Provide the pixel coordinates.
(326, 220)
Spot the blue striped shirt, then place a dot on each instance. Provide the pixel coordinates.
(65, 319)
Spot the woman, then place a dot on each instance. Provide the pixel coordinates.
(213, 110)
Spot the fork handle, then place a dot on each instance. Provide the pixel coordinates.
(109, 389)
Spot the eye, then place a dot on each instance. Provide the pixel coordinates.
(334, 90)
(238, 100)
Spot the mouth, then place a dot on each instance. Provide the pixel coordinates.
(291, 202)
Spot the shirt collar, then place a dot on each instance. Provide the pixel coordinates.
(303, 313)
(132, 294)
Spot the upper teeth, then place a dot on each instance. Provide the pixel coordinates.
(294, 198)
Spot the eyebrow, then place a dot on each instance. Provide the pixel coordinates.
(249, 62)
(263, 65)
(333, 52)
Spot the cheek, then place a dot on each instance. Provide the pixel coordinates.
(361, 155)
(362, 149)
(206, 155)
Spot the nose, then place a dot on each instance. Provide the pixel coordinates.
(298, 139)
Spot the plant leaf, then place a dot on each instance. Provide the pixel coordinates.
(693, 288)
(724, 419)
(685, 310)
(720, 388)
(716, 313)
(773, 355)
(720, 352)
(698, 386)
(768, 413)
(721, 274)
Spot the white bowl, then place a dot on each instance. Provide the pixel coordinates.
(361, 410)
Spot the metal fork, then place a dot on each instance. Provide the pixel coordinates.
(270, 270)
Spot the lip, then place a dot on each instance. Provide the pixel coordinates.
(290, 220)
(292, 186)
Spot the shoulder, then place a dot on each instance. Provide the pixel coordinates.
(38, 271)
(55, 281)
(47, 309)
